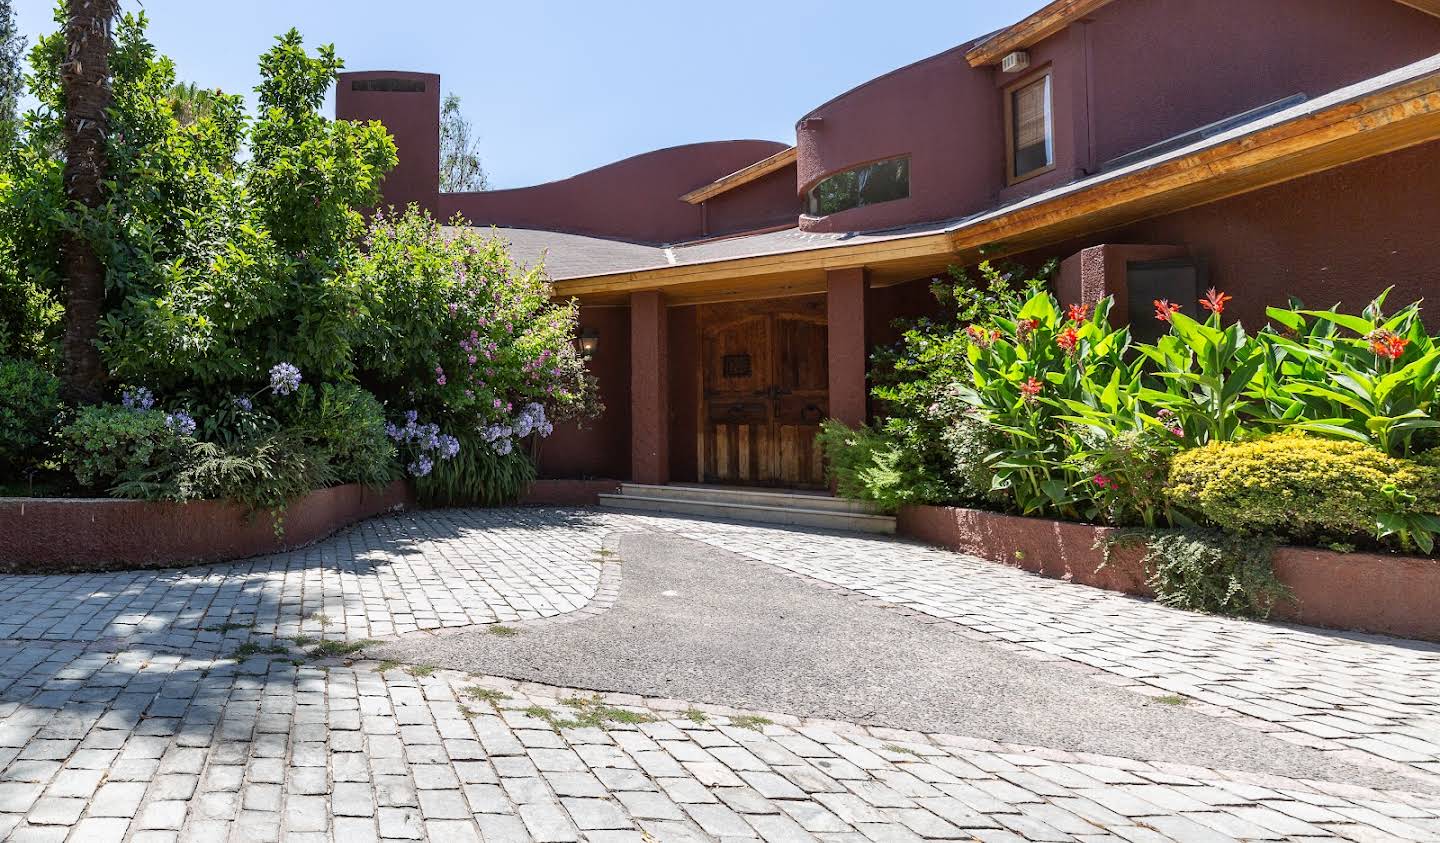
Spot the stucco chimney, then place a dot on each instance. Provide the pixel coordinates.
(409, 106)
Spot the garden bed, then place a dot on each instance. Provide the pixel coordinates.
(1367, 592)
(51, 535)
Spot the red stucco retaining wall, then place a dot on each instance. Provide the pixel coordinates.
(1391, 595)
(568, 492)
(47, 535)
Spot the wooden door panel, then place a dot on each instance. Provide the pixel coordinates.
(765, 389)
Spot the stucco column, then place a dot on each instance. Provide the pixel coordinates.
(649, 389)
(845, 315)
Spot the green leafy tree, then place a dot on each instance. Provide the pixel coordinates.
(190, 103)
(12, 77)
(460, 168)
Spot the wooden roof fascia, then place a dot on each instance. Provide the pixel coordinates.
(1057, 15)
(1041, 25)
(745, 175)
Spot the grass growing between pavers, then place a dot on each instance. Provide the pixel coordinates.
(753, 722)
(339, 649)
(502, 630)
(250, 649)
(589, 713)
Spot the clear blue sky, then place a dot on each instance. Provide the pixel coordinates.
(556, 88)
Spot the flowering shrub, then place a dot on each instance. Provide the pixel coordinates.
(109, 445)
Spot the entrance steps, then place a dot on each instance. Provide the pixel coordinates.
(795, 509)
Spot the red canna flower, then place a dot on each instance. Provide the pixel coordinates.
(979, 336)
(1069, 339)
(1386, 343)
(1031, 388)
(1163, 309)
(1026, 327)
(1214, 300)
(1079, 312)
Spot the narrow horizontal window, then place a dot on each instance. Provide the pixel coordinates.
(389, 84)
(883, 181)
(1031, 129)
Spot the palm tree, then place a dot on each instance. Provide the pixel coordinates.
(85, 79)
(191, 103)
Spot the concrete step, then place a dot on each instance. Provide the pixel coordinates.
(787, 515)
(750, 497)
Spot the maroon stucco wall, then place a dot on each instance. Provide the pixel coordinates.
(649, 389)
(1162, 67)
(683, 341)
(768, 201)
(1342, 235)
(414, 121)
(1391, 595)
(940, 111)
(848, 345)
(600, 447)
(634, 199)
(48, 535)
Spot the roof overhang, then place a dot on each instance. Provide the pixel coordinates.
(1337, 131)
(1055, 16)
(745, 175)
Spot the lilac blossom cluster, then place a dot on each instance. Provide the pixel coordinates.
(426, 439)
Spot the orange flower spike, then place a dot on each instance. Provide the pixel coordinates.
(1215, 300)
(1068, 339)
(1163, 309)
(1031, 388)
(1079, 312)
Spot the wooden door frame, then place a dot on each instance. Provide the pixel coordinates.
(702, 437)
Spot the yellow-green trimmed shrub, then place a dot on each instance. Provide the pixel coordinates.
(1296, 485)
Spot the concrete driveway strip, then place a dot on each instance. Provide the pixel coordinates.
(694, 622)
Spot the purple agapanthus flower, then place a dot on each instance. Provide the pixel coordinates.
(284, 378)
(244, 403)
(503, 446)
(449, 446)
(180, 422)
(422, 466)
(138, 398)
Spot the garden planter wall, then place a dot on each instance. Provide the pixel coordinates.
(568, 492)
(1391, 595)
(48, 535)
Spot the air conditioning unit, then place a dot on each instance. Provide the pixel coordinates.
(1018, 60)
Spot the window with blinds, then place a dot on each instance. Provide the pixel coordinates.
(1032, 141)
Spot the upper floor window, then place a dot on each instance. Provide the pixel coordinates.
(1029, 129)
(871, 184)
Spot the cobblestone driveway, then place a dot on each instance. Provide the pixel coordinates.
(122, 719)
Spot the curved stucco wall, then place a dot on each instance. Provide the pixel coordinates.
(939, 111)
(634, 199)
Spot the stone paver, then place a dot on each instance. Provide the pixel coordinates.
(387, 576)
(1328, 690)
(264, 749)
(122, 719)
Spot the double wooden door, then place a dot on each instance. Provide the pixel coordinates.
(765, 389)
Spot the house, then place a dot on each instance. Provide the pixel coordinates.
(733, 290)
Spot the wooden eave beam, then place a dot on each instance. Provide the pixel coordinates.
(1032, 30)
(1429, 7)
(1387, 121)
(745, 175)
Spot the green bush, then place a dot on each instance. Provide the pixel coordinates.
(343, 426)
(1209, 570)
(108, 445)
(1299, 486)
(29, 403)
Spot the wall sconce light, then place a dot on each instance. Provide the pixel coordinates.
(589, 342)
